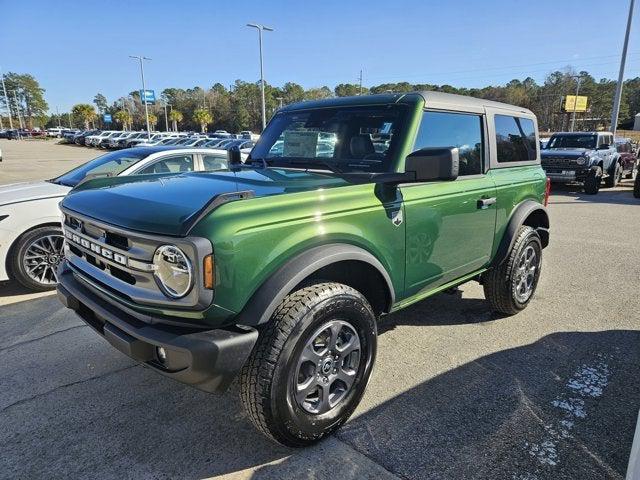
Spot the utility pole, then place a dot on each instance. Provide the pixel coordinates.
(58, 115)
(6, 99)
(15, 96)
(260, 28)
(360, 78)
(144, 91)
(575, 102)
(616, 99)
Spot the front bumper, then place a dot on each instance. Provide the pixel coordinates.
(206, 359)
(566, 174)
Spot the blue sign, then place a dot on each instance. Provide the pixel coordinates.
(106, 118)
(148, 96)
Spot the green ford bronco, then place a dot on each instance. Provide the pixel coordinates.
(277, 270)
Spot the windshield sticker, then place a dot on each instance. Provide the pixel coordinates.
(300, 144)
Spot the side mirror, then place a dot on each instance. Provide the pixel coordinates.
(430, 164)
(233, 156)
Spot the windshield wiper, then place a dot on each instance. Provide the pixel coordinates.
(331, 167)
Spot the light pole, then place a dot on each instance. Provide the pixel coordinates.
(58, 115)
(616, 99)
(166, 117)
(280, 99)
(575, 101)
(6, 99)
(260, 28)
(144, 91)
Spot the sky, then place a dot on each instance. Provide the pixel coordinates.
(77, 49)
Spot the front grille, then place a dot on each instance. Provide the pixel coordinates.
(121, 261)
(559, 162)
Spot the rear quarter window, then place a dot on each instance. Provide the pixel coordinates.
(515, 139)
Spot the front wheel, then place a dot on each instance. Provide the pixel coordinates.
(509, 287)
(615, 177)
(36, 257)
(311, 364)
(593, 180)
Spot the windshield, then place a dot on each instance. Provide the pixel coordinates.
(572, 141)
(111, 164)
(349, 139)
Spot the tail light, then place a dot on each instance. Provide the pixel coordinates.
(547, 192)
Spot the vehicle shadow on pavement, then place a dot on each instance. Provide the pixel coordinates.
(562, 407)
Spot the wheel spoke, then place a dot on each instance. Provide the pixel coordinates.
(346, 377)
(309, 355)
(335, 333)
(324, 404)
(303, 391)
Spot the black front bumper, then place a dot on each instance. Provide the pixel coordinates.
(206, 359)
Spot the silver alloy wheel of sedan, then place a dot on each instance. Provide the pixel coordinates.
(327, 367)
(525, 277)
(42, 257)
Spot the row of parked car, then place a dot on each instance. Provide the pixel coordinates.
(118, 139)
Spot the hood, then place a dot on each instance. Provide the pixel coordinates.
(167, 204)
(24, 192)
(564, 152)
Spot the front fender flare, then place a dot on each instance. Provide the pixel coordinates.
(270, 294)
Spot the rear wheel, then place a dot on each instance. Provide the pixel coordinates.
(36, 257)
(509, 287)
(593, 180)
(311, 364)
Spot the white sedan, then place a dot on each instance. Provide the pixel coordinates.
(30, 235)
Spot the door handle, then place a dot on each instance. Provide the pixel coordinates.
(484, 203)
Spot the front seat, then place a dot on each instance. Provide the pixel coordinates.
(361, 146)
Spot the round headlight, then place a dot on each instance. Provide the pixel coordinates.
(173, 270)
(581, 160)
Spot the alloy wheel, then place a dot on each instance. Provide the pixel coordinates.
(327, 367)
(525, 275)
(42, 257)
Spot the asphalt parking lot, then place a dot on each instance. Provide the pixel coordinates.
(551, 393)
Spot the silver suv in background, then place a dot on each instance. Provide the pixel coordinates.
(586, 157)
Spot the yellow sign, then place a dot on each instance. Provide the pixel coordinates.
(571, 105)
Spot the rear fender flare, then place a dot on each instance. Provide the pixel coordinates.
(519, 217)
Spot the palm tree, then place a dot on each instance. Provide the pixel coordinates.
(202, 117)
(124, 118)
(86, 113)
(176, 117)
(153, 120)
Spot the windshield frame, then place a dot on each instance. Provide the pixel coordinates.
(338, 164)
(554, 138)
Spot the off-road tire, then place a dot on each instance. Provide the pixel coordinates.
(636, 186)
(612, 180)
(593, 181)
(17, 254)
(498, 282)
(269, 375)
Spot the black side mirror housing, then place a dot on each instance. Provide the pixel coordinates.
(431, 164)
(233, 156)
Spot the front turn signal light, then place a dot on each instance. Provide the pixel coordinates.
(209, 272)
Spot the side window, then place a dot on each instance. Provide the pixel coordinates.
(215, 162)
(461, 130)
(173, 164)
(515, 139)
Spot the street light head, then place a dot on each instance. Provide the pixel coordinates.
(269, 29)
(254, 25)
